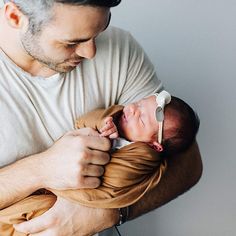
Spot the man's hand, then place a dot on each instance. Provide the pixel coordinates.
(75, 161)
(69, 219)
(109, 129)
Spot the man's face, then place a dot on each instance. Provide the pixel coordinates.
(138, 121)
(69, 38)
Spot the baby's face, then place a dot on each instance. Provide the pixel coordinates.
(138, 121)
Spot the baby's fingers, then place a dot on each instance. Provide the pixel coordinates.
(108, 119)
(114, 135)
(108, 132)
(109, 125)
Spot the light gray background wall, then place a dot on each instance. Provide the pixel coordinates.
(192, 43)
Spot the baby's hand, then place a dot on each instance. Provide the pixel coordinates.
(109, 129)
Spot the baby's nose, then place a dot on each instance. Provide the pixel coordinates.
(131, 108)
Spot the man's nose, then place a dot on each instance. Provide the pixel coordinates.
(86, 49)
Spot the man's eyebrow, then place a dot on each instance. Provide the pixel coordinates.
(76, 41)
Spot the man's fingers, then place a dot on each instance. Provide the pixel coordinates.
(93, 170)
(97, 143)
(92, 182)
(90, 138)
(43, 233)
(97, 157)
(83, 131)
(35, 225)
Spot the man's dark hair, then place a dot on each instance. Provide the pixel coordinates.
(39, 11)
(101, 3)
(179, 136)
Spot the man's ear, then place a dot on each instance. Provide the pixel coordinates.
(157, 146)
(14, 16)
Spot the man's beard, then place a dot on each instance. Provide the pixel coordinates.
(31, 46)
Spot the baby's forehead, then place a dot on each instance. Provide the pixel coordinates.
(149, 103)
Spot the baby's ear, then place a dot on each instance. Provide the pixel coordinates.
(157, 146)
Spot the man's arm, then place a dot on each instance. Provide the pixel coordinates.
(18, 181)
(75, 161)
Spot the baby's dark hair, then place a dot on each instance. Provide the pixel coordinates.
(181, 125)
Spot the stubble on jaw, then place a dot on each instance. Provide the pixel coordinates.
(30, 44)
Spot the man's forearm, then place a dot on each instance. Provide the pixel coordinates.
(18, 180)
(182, 173)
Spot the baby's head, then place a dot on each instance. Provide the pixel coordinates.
(181, 125)
(140, 121)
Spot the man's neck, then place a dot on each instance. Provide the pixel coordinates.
(35, 68)
(23, 60)
(26, 62)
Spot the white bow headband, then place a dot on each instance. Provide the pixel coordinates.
(162, 99)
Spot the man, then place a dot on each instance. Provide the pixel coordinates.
(46, 81)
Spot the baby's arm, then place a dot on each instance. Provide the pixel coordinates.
(109, 129)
